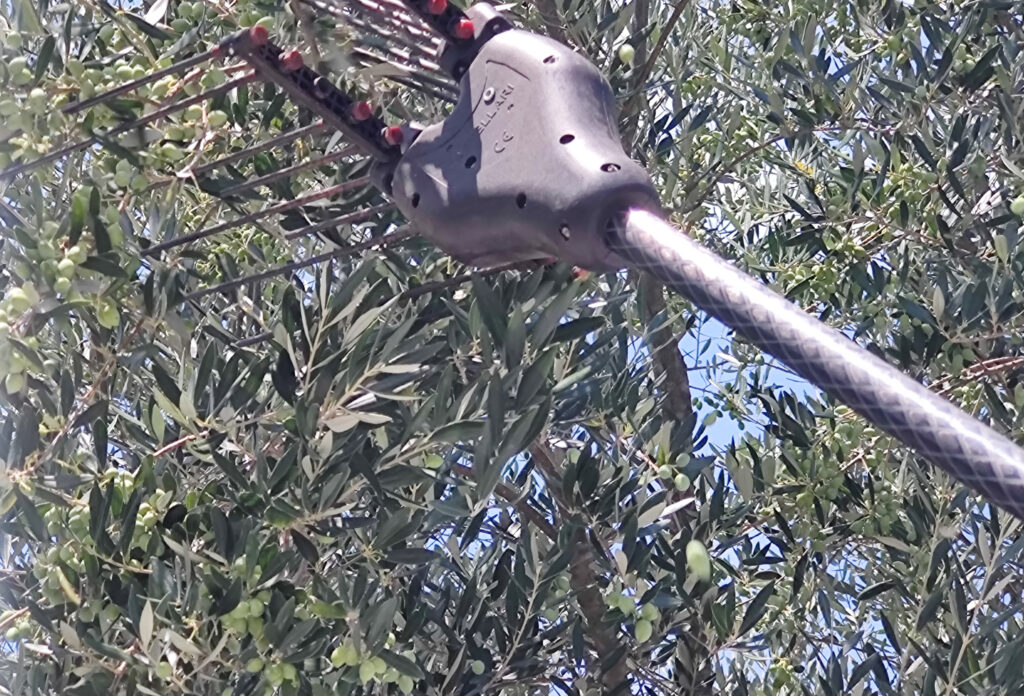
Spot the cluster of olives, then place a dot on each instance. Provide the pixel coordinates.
(673, 472)
(18, 69)
(19, 630)
(276, 673)
(880, 517)
(841, 243)
(48, 570)
(56, 267)
(827, 484)
(16, 302)
(247, 618)
(624, 599)
(553, 611)
(373, 668)
(782, 673)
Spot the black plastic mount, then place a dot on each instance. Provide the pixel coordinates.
(529, 164)
(315, 92)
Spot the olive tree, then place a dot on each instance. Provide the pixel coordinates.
(388, 473)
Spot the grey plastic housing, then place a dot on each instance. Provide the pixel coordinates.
(529, 165)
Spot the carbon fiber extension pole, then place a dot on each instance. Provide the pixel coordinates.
(939, 431)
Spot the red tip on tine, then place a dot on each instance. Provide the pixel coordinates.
(259, 35)
(394, 135)
(436, 7)
(463, 29)
(292, 61)
(361, 111)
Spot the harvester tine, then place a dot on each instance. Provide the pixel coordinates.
(347, 219)
(125, 127)
(408, 42)
(180, 66)
(376, 18)
(285, 206)
(368, 57)
(347, 250)
(288, 171)
(255, 149)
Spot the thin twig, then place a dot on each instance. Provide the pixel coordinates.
(519, 502)
(171, 446)
(552, 22)
(648, 67)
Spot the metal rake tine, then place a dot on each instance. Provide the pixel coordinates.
(435, 93)
(252, 217)
(125, 127)
(399, 17)
(288, 171)
(180, 66)
(341, 252)
(392, 38)
(410, 81)
(282, 139)
(406, 24)
(348, 218)
(183, 104)
(412, 61)
(409, 71)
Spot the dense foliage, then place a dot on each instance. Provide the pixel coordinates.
(386, 474)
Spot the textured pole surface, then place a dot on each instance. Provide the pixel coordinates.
(964, 447)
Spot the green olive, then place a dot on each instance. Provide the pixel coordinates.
(698, 561)
(19, 299)
(217, 118)
(21, 77)
(107, 314)
(255, 607)
(171, 152)
(76, 253)
(338, 656)
(627, 54)
(644, 631)
(46, 249)
(14, 383)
